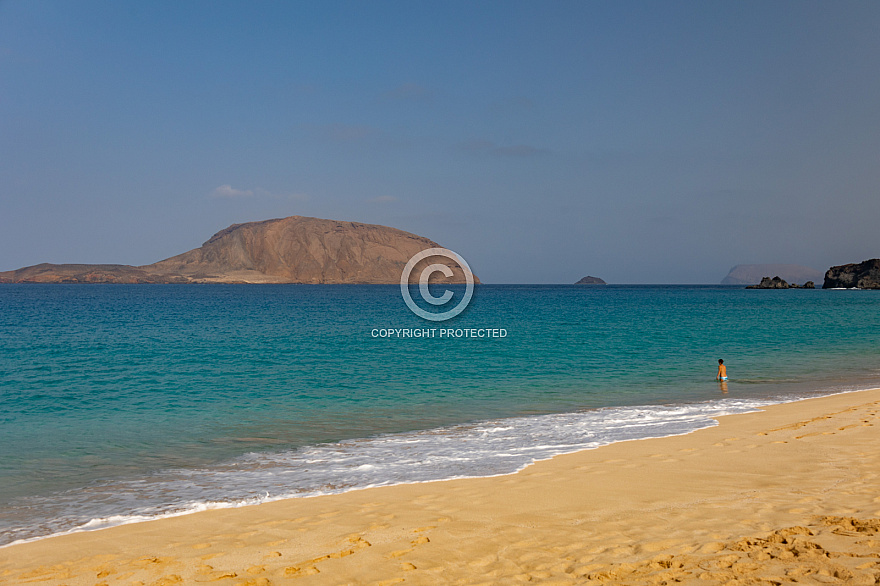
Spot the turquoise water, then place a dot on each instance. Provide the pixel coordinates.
(125, 402)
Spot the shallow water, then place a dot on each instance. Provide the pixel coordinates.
(125, 401)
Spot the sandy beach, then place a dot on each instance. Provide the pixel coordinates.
(787, 495)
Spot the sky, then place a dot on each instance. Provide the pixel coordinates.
(641, 142)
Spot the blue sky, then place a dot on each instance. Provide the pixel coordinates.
(643, 142)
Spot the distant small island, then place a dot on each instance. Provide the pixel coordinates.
(588, 280)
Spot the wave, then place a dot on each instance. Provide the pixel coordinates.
(487, 448)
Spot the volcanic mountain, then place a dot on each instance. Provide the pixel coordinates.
(285, 250)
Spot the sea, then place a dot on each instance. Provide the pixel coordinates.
(123, 403)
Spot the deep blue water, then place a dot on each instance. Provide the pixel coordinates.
(121, 401)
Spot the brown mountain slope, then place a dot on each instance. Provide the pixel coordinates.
(79, 273)
(286, 250)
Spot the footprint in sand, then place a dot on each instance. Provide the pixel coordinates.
(146, 562)
(43, 573)
(255, 582)
(296, 571)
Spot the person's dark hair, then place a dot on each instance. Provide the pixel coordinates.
(720, 361)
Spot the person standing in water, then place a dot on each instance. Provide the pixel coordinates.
(722, 370)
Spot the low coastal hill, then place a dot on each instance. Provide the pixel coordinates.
(752, 274)
(296, 249)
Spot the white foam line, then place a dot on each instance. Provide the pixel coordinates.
(736, 406)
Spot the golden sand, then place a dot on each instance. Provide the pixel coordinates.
(787, 495)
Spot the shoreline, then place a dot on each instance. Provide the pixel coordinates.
(695, 420)
(682, 495)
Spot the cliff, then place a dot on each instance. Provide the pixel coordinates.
(287, 250)
(752, 274)
(864, 275)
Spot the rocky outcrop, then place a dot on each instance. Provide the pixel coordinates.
(588, 280)
(864, 275)
(286, 250)
(768, 283)
(777, 283)
(752, 274)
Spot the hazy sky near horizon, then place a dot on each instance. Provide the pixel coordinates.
(642, 142)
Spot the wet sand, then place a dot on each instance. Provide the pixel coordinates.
(787, 495)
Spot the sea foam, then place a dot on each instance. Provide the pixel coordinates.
(487, 448)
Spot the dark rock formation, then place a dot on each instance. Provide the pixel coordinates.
(864, 275)
(751, 274)
(286, 250)
(774, 283)
(591, 281)
(777, 283)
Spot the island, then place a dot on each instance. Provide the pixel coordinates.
(295, 249)
(588, 280)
